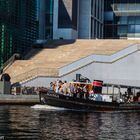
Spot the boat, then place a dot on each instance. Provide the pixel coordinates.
(105, 97)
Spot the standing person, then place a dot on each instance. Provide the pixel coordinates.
(86, 92)
(79, 91)
(57, 86)
(71, 89)
(75, 91)
(60, 89)
(65, 88)
(51, 86)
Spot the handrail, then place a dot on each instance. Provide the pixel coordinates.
(34, 73)
(10, 61)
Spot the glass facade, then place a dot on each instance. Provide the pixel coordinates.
(97, 10)
(122, 19)
(45, 17)
(49, 19)
(18, 27)
(67, 14)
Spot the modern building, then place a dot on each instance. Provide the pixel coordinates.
(78, 19)
(65, 19)
(91, 19)
(45, 17)
(71, 19)
(122, 19)
(18, 27)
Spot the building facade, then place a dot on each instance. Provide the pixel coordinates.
(18, 27)
(91, 19)
(71, 19)
(122, 19)
(45, 8)
(91, 15)
(65, 19)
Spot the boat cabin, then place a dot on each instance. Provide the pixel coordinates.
(121, 93)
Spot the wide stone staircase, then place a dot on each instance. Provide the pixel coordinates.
(56, 54)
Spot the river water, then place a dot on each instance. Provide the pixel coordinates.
(48, 123)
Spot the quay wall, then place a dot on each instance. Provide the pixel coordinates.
(125, 71)
(19, 99)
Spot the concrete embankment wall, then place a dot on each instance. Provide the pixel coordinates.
(19, 99)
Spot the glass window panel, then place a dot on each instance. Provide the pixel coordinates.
(108, 5)
(132, 6)
(123, 20)
(131, 29)
(124, 7)
(137, 34)
(122, 30)
(119, 7)
(131, 20)
(126, 13)
(137, 20)
(108, 16)
(137, 6)
(115, 6)
(137, 28)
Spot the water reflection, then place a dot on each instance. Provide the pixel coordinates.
(24, 122)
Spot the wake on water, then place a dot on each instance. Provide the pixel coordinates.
(47, 107)
(52, 108)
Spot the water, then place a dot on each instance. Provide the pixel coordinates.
(49, 123)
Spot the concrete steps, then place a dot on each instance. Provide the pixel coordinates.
(59, 53)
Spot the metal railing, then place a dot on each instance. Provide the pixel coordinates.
(10, 61)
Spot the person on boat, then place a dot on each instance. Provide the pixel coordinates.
(75, 91)
(60, 87)
(98, 97)
(79, 91)
(139, 99)
(130, 99)
(70, 89)
(65, 87)
(51, 86)
(91, 95)
(86, 91)
(135, 98)
(125, 97)
(56, 85)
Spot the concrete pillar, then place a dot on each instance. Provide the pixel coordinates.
(5, 87)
